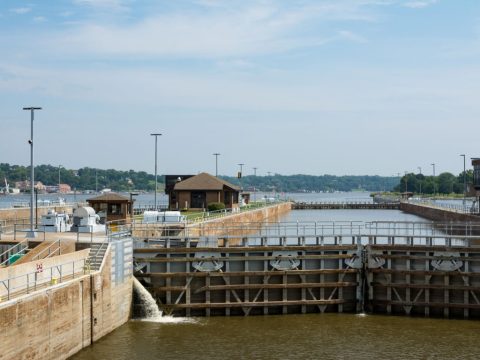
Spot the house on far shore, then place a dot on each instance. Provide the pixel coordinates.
(196, 192)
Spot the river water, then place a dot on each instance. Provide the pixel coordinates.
(312, 336)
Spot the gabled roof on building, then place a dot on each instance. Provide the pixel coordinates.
(204, 181)
(110, 196)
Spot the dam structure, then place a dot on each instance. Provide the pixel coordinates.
(420, 268)
(67, 291)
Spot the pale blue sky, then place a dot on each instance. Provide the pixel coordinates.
(298, 86)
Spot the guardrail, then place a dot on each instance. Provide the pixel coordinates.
(49, 250)
(18, 249)
(289, 242)
(318, 228)
(471, 208)
(26, 283)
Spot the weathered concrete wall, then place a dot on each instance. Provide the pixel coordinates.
(220, 226)
(41, 271)
(436, 214)
(17, 215)
(59, 321)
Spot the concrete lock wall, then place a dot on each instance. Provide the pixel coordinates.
(220, 226)
(18, 215)
(436, 214)
(57, 322)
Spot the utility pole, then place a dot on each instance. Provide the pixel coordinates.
(216, 163)
(420, 172)
(464, 183)
(59, 167)
(32, 109)
(254, 188)
(240, 175)
(434, 186)
(156, 174)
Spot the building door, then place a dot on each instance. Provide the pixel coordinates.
(198, 200)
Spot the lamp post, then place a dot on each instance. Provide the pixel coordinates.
(216, 163)
(32, 109)
(464, 183)
(240, 175)
(59, 182)
(254, 188)
(434, 187)
(420, 172)
(156, 174)
(406, 183)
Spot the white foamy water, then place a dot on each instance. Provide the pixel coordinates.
(152, 312)
(148, 302)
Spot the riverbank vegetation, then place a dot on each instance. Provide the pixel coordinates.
(97, 179)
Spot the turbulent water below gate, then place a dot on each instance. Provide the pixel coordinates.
(312, 336)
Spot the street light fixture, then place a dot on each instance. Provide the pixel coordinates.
(240, 175)
(216, 163)
(59, 182)
(434, 187)
(420, 172)
(464, 182)
(156, 174)
(32, 109)
(254, 188)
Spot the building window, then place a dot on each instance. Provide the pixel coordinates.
(198, 199)
(227, 198)
(115, 209)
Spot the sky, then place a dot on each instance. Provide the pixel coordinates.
(357, 87)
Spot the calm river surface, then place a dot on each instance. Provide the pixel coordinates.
(313, 336)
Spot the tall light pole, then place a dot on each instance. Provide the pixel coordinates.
(216, 163)
(434, 187)
(420, 172)
(406, 183)
(240, 175)
(156, 174)
(59, 167)
(32, 109)
(254, 188)
(464, 182)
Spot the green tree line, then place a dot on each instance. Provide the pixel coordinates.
(91, 179)
(445, 183)
(82, 179)
(312, 183)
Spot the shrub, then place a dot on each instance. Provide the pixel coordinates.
(215, 206)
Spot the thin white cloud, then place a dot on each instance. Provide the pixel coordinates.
(39, 19)
(257, 29)
(113, 5)
(419, 4)
(21, 10)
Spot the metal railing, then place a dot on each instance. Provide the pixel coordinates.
(26, 228)
(308, 240)
(18, 249)
(24, 284)
(470, 208)
(49, 251)
(332, 232)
